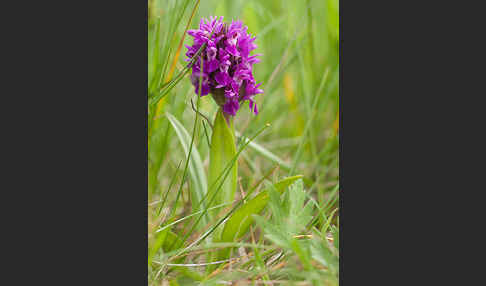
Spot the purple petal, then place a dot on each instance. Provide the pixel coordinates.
(222, 79)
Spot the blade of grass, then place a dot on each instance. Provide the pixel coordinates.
(199, 202)
(194, 162)
(264, 152)
(168, 190)
(201, 181)
(176, 57)
(191, 215)
(309, 123)
(178, 51)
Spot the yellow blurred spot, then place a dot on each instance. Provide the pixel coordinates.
(172, 68)
(160, 104)
(336, 124)
(289, 89)
(290, 97)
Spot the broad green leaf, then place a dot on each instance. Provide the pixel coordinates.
(171, 242)
(240, 221)
(221, 153)
(196, 169)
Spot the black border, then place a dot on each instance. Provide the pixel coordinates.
(81, 204)
(81, 147)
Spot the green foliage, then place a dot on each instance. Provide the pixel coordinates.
(196, 169)
(288, 234)
(291, 217)
(239, 223)
(222, 151)
(265, 152)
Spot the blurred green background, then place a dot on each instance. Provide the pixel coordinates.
(299, 72)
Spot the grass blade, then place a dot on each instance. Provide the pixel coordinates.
(264, 152)
(196, 168)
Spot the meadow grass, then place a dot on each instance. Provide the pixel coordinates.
(289, 234)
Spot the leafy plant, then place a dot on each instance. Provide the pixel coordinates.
(220, 215)
(288, 228)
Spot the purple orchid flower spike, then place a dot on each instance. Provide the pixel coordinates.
(227, 65)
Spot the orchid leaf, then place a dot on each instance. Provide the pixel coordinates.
(239, 223)
(221, 154)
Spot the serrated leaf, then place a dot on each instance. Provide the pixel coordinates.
(273, 232)
(322, 254)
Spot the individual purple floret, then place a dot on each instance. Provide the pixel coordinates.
(227, 65)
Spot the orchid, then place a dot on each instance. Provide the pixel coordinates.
(225, 66)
